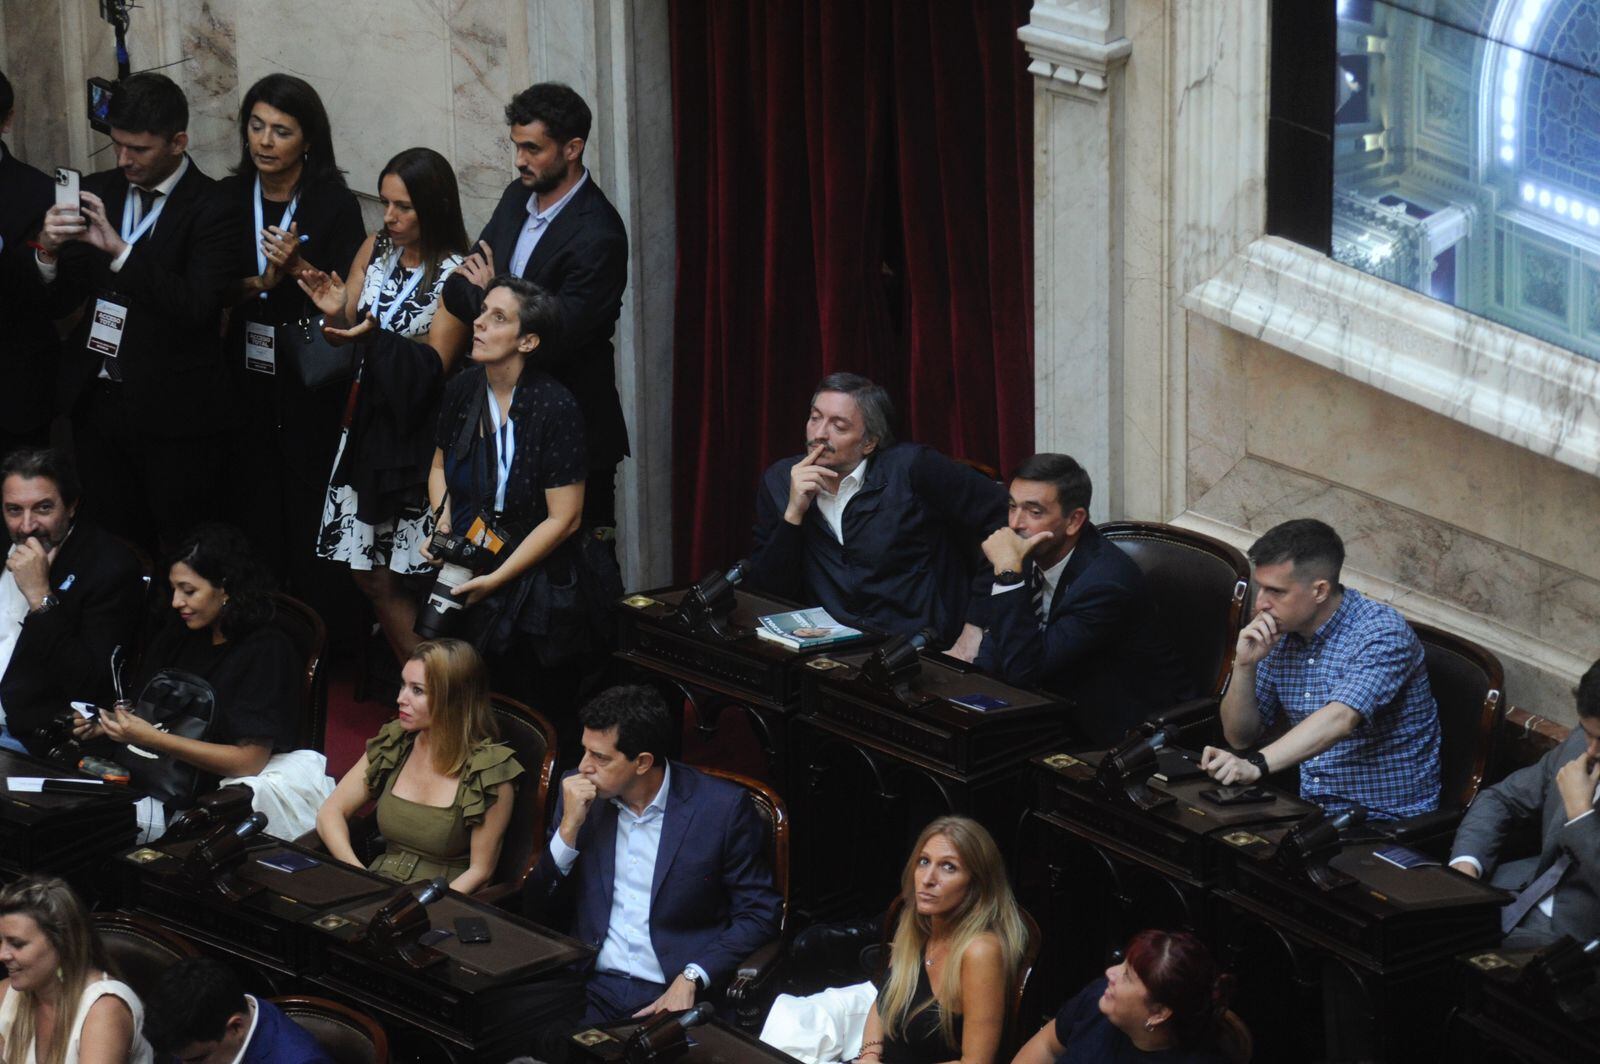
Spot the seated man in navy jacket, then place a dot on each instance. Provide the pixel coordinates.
(200, 1014)
(881, 534)
(1070, 611)
(666, 868)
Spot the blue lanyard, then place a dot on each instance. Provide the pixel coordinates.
(288, 217)
(129, 233)
(386, 316)
(505, 448)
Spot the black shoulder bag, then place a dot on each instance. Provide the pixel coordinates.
(178, 703)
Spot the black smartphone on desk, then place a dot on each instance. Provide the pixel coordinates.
(1253, 794)
(471, 930)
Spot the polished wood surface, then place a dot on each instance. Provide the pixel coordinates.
(712, 1043)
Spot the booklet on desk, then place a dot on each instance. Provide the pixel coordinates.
(805, 629)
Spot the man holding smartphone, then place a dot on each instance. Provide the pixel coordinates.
(1558, 890)
(148, 254)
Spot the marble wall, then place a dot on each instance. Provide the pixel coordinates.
(401, 73)
(1259, 382)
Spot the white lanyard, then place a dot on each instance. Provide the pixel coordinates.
(131, 235)
(386, 316)
(505, 448)
(288, 217)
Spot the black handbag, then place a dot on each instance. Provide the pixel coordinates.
(315, 361)
(178, 703)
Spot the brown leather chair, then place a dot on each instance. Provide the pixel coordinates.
(987, 470)
(348, 1036)
(310, 638)
(1199, 584)
(533, 738)
(1521, 739)
(753, 986)
(140, 950)
(1030, 956)
(1467, 682)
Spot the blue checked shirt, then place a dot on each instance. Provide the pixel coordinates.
(1367, 657)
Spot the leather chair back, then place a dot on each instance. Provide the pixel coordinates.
(140, 950)
(775, 815)
(533, 738)
(310, 638)
(1199, 585)
(1521, 739)
(1467, 682)
(348, 1036)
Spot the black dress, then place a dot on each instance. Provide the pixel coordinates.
(285, 434)
(256, 678)
(921, 1041)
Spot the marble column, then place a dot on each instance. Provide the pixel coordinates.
(1078, 50)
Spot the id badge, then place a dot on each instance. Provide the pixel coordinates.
(105, 331)
(260, 348)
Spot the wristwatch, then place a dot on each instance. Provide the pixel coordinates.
(693, 977)
(46, 604)
(1008, 578)
(1258, 759)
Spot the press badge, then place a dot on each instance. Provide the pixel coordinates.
(260, 353)
(105, 331)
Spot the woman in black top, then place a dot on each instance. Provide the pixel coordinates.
(1165, 1004)
(510, 453)
(220, 631)
(292, 209)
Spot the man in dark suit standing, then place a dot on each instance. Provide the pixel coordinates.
(29, 351)
(554, 227)
(149, 256)
(70, 595)
(666, 867)
(1070, 611)
(1557, 891)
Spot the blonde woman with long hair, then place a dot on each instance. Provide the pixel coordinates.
(955, 955)
(441, 779)
(59, 1003)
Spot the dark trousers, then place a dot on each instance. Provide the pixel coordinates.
(600, 498)
(144, 488)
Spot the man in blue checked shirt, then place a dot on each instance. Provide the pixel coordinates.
(1346, 672)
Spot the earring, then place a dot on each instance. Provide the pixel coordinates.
(1149, 1025)
(60, 978)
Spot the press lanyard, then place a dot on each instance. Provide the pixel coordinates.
(386, 316)
(288, 217)
(130, 235)
(505, 447)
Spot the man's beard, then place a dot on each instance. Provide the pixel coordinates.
(544, 184)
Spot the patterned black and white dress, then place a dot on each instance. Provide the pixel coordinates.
(395, 543)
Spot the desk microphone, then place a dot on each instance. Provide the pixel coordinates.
(254, 824)
(665, 1038)
(1349, 818)
(432, 892)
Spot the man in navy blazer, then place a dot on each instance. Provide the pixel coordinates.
(665, 867)
(553, 226)
(1070, 611)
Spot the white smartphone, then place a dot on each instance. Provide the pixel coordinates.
(68, 181)
(85, 710)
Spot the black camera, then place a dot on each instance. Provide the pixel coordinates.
(463, 559)
(55, 740)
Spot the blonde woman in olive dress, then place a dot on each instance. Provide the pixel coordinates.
(441, 779)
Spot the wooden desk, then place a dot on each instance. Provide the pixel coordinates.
(1503, 1020)
(869, 772)
(715, 1043)
(737, 695)
(303, 929)
(68, 835)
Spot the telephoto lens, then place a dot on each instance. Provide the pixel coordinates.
(463, 559)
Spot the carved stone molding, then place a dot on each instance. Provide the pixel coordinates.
(1075, 42)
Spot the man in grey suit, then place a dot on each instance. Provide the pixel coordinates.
(1558, 892)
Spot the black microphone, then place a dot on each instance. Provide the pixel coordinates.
(1349, 818)
(254, 824)
(735, 575)
(697, 1015)
(433, 891)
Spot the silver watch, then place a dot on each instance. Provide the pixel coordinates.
(693, 977)
(46, 604)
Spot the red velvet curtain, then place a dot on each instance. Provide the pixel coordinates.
(853, 193)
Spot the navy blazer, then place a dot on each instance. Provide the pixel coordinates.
(582, 260)
(1100, 647)
(64, 654)
(279, 1040)
(912, 544)
(712, 901)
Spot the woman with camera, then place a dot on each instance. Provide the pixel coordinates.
(59, 1001)
(1165, 1004)
(374, 519)
(441, 781)
(292, 209)
(218, 694)
(508, 474)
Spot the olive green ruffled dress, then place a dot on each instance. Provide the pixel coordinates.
(427, 840)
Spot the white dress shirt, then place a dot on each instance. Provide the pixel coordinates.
(627, 948)
(1051, 578)
(13, 611)
(831, 504)
(47, 270)
(255, 1018)
(534, 226)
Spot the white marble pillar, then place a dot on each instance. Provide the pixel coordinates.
(1077, 49)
